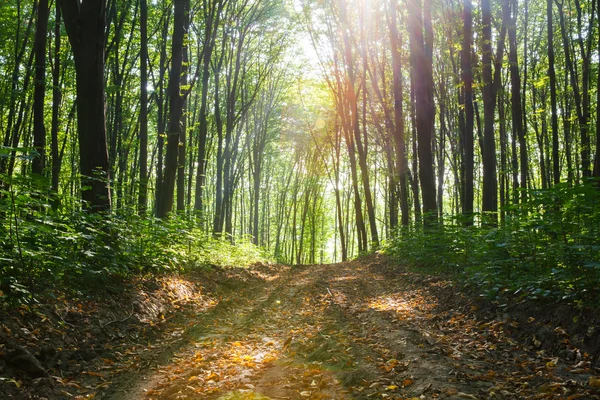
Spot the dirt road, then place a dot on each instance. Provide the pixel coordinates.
(358, 330)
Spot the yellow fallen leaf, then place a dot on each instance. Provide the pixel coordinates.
(594, 382)
(552, 363)
(392, 387)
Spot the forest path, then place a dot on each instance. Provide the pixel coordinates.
(357, 330)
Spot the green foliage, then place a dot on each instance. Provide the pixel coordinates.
(547, 248)
(41, 247)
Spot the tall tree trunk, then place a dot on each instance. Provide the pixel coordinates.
(176, 104)
(490, 84)
(161, 100)
(510, 11)
(212, 18)
(86, 26)
(400, 144)
(552, 77)
(218, 220)
(414, 181)
(56, 100)
(353, 103)
(421, 41)
(467, 78)
(597, 157)
(143, 190)
(184, 118)
(39, 131)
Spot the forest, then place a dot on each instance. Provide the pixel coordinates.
(424, 167)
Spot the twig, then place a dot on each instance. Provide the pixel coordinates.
(121, 320)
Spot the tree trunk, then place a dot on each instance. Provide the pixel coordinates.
(39, 131)
(490, 181)
(143, 190)
(56, 100)
(421, 41)
(510, 11)
(467, 78)
(401, 162)
(176, 105)
(86, 26)
(552, 77)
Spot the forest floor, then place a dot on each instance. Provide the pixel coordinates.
(358, 330)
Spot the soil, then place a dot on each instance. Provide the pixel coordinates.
(358, 330)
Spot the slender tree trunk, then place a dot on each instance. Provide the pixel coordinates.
(400, 144)
(414, 182)
(490, 181)
(552, 77)
(212, 19)
(218, 221)
(39, 131)
(467, 78)
(421, 41)
(515, 84)
(143, 190)
(597, 157)
(161, 100)
(184, 118)
(56, 100)
(176, 106)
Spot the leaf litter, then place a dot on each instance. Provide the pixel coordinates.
(366, 329)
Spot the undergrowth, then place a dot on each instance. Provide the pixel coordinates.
(42, 246)
(547, 248)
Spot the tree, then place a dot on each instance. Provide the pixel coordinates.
(421, 45)
(143, 190)
(467, 80)
(401, 162)
(85, 23)
(490, 88)
(176, 105)
(39, 131)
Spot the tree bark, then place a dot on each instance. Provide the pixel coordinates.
(467, 78)
(143, 189)
(400, 144)
(176, 103)
(421, 42)
(552, 77)
(86, 26)
(56, 100)
(510, 11)
(39, 130)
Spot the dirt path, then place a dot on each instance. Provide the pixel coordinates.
(356, 330)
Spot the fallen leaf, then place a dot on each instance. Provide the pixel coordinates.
(407, 382)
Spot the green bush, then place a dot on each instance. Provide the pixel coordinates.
(547, 247)
(42, 246)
